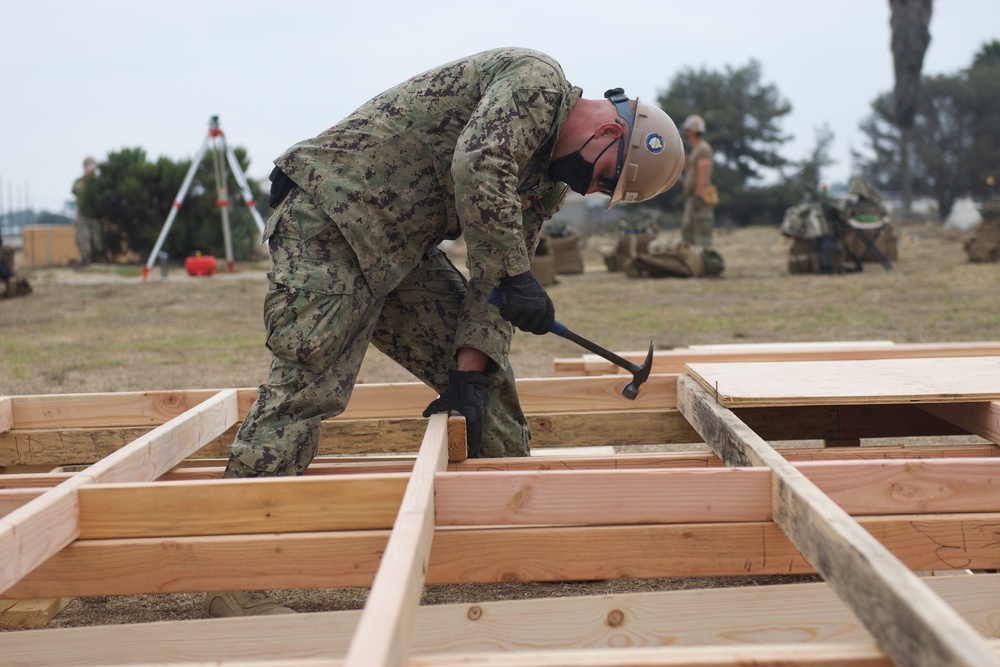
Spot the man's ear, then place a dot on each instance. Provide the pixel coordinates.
(609, 130)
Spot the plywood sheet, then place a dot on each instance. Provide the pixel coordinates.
(851, 382)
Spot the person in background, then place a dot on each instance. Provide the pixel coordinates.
(700, 194)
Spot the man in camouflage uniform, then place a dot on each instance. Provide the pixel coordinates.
(484, 146)
(699, 215)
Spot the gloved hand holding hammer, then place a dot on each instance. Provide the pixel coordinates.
(524, 303)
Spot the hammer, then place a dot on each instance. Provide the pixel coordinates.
(639, 373)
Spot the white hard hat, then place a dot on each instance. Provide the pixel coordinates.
(695, 123)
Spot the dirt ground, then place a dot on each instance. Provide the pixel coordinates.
(102, 329)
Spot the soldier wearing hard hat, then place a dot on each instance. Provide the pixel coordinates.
(484, 147)
(700, 193)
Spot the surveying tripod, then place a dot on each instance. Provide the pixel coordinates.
(217, 140)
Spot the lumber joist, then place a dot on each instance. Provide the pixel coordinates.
(722, 626)
(400, 399)
(55, 445)
(983, 419)
(490, 555)
(384, 632)
(922, 630)
(366, 477)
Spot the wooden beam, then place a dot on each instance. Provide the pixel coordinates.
(983, 419)
(130, 408)
(806, 615)
(458, 446)
(6, 413)
(62, 446)
(245, 506)
(384, 633)
(39, 529)
(397, 399)
(369, 501)
(484, 555)
(344, 437)
(910, 623)
(195, 469)
(32, 613)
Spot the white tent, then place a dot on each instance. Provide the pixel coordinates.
(964, 216)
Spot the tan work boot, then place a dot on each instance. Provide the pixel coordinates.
(242, 603)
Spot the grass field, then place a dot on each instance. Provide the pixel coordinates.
(98, 330)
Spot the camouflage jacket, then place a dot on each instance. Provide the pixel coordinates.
(460, 149)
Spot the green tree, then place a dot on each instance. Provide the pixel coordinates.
(743, 116)
(984, 84)
(132, 198)
(987, 56)
(955, 138)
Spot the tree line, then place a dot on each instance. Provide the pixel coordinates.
(131, 196)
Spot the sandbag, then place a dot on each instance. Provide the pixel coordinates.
(543, 264)
(14, 287)
(820, 255)
(882, 235)
(666, 260)
(566, 247)
(984, 246)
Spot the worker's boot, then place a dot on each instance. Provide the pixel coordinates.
(242, 603)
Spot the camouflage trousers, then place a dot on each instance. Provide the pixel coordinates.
(318, 339)
(697, 223)
(89, 239)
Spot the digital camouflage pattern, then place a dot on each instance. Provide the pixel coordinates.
(697, 223)
(460, 149)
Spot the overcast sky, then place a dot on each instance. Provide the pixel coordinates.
(88, 77)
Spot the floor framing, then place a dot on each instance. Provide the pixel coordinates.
(897, 478)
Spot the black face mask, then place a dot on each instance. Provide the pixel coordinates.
(574, 170)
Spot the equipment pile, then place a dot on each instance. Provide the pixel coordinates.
(13, 285)
(642, 253)
(838, 236)
(984, 246)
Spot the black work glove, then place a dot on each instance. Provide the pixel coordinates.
(524, 303)
(464, 394)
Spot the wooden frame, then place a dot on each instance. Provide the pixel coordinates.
(727, 503)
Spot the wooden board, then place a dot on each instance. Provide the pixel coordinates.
(784, 619)
(882, 381)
